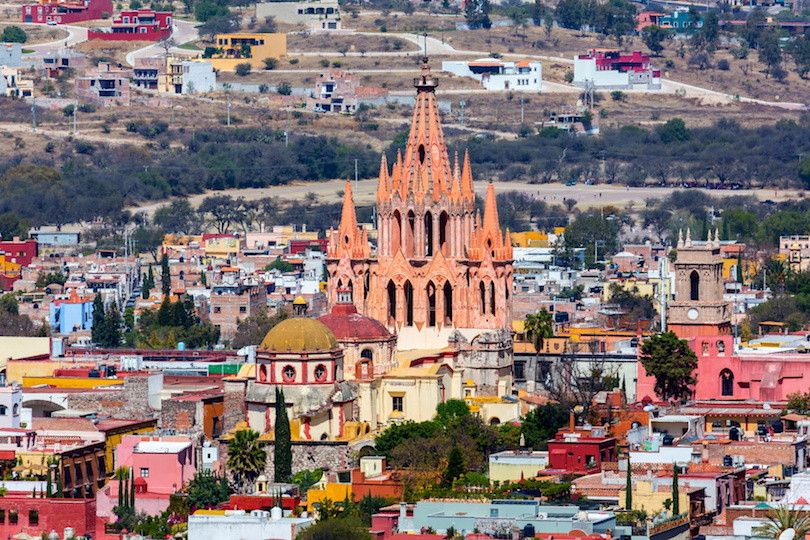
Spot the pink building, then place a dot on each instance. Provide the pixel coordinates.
(66, 12)
(141, 25)
(161, 465)
(106, 85)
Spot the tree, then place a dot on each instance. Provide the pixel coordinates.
(450, 409)
(219, 24)
(251, 331)
(148, 239)
(14, 34)
(541, 424)
(638, 307)
(653, 37)
(270, 63)
(671, 362)
(306, 479)
(676, 499)
(800, 53)
(243, 68)
(112, 323)
(98, 331)
(780, 519)
(284, 88)
(281, 265)
(207, 490)
(589, 231)
(282, 449)
(770, 53)
(628, 487)
(223, 211)
(12, 225)
(178, 217)
(246, 457)
(673, 130)
(539, 327)
(165, 276)
(395, 435)
(455, 467)
(476, 12)
(345, 528)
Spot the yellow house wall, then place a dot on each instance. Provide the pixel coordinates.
(114, 440)
(333, 492)
(17, 371)
(507, 472)
(644, 498)
(69, 382)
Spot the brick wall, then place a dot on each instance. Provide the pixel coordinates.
(131, 402)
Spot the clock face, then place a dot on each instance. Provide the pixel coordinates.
(692, 314)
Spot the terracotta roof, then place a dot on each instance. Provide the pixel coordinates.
(64, 424)
(346, 323)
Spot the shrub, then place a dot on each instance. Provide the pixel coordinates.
(723, 65)
(269, 63)
(569, 76)
(337, 64)
(324, 63)
(14, 34)
(243, 69)
(293, 61)
(83, 147)
(263, 88)
(105, 14)
(210, 52)
(618, 95)
(87, 108)
(284, 88)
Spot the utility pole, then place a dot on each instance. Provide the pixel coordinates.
(287, 130)
(75, 112)
(355, 174)
(229, 114)
(34, 114)
(462, 105)
(663, 293)
(521, 108)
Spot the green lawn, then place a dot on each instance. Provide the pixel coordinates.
(190, 46)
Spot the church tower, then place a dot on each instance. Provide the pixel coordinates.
(699, 308)
(440, 267)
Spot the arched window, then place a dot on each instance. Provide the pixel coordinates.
(428, 234)
(431, 304)
(3, 410)
(411, 234)
(408, 304)
(288, 374)
(396, 233)
(263, 373)
(365, 367)
(443, 223)
(392, 301)
(483, 293)
(492, 297)
(694, 286)
(726, 383)
(320, 373)
(448, 303)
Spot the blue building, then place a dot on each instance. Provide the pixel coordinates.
(71, 315)
(680, 21)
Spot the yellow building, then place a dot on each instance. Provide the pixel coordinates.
(115, 430)
(223, 247)
(511, 466)
(251, 48)
(651, 499)
(536, 238)
(68, 382)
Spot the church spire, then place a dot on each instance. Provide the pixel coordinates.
(491, 222)
(348, 237)
(383, 189)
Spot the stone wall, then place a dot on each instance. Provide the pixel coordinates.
(131, 402)
(235, 409)
(184, 416)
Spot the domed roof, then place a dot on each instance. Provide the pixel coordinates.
(346, 323)
(299, 334)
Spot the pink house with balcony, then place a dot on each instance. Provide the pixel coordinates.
(161, 466)
(136, 25)
(603, 69)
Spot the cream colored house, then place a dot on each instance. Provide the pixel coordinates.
(511, 466)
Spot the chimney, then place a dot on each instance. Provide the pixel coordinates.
(403, 513)
(571, 421)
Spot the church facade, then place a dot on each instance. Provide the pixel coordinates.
(441, 274)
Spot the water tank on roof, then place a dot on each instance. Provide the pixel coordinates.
(668, 439)
(728, 461)
(275, 513)
(94, 374)
(528, 531)
(734, 433)
(181, 346)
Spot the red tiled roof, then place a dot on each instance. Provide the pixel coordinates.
(346, 323)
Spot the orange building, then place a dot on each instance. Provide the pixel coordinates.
(439, 266)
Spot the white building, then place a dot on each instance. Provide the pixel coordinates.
(239, 525)
(197, 77)
(612, 70)
(314, 14)
(500, 75)
(11, 55)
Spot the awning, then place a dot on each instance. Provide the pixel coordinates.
(7, 454)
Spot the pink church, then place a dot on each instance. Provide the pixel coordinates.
(701, 316)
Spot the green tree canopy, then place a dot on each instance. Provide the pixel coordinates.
(247, 457)
(451, 409)
(14, 34)
(672, 363)
(654, 37)
(207, 490)
(541, 424)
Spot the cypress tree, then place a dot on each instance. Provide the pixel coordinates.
(132, 489)
(455, 467)
(145, 286)
(165, 275)
(739, 267)
(676, 502)
(34, 492)
(113, 326)
(99, 328)
(49, 485)
(282, 450)
(628, 496)
(122, 486)
(58, 493)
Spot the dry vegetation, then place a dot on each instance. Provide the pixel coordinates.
(38, 33)
(98, 50)
(350, 43)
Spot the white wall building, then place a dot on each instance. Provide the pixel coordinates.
(611, 70)
(238, 524)
(315, 14)
(500, 75)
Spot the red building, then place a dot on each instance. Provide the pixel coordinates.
(141, 25)
(296, 247)
(579, 452)
(23, 514)
(66, 12)
(18, 251)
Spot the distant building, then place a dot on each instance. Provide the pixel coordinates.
(233, 300)
(56, 62)
(11, 398)
(242, 48)
(499, 74)
(314, 14)
(71, 315)
(174, 75)
(136, 25)
(12, 85)
(574, 119)
(336, 91)
(10, 55)
(106, 85)
(648, 18)
(612, 70)
(680, 21)
(50, 11)
(796, 250)
(31, 516)
(511, 465)
(217, 524)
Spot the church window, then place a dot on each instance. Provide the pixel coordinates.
(726, 383)
(392, 301)
(320, 373)
(408, 304)
(397, 403)
(288, 374)
(263, 373)
(411, 234)
(443, 224)
(367, 354)
(428, 234)
(483, 293)
(431, 302)
(421, 151)
(366, 285)
(448, 303)
(492, 297)
(694, 286)
(396, 233)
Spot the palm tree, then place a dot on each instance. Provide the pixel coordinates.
(782, 518)
(246, 457)
(539, 327)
